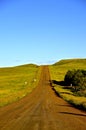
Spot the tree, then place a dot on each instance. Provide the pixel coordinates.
(77, 78)
(69, 77)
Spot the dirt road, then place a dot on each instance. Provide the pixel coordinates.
(42, 110)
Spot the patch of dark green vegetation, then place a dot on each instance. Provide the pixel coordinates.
(76, 80)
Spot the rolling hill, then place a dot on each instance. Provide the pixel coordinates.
(17, 82)
(59, 69)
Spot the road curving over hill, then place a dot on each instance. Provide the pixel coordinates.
(42, 110)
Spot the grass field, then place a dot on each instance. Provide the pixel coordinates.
(58, 71)
(67, 95)
(17, 82)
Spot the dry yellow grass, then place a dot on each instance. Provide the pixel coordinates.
(68, 96)
(17, 82)
(58, 71)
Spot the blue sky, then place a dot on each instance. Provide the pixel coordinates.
(41, 31)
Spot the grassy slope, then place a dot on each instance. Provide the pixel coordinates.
(58, 71)
(17, 82)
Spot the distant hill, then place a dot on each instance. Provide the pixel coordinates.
(59, 69)
(19, 66)
(28, 65)
(71, 62)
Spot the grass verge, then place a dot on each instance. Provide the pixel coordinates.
(79, 102)
(17, 82)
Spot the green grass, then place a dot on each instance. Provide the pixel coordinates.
(58, 71)
(68, 96)
(17, 82)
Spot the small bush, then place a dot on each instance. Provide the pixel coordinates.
(76, 78)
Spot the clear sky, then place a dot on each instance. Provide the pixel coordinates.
(41, 31)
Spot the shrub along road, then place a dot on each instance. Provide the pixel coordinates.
(42, 110)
